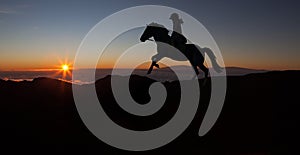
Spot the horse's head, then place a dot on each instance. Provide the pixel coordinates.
(153, 30)
(148, 33)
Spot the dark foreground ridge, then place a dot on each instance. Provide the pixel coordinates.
(258, 117)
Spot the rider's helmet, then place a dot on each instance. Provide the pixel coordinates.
(174, 16)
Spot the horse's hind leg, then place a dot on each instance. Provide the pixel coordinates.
(204, 69)
(196, 71)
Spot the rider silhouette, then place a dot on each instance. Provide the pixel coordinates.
(177, 39)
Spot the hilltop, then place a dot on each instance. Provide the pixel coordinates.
(259, 116)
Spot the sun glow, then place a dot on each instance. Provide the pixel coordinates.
(65, 67)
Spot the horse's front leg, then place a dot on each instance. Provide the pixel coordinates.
(155, 59)
(151, 67)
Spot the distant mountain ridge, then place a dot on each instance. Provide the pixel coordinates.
(166, 73)
(162, 74)
(229, 70)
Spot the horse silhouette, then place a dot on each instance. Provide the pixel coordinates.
(166, 48)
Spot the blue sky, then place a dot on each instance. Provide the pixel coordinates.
(254, 34)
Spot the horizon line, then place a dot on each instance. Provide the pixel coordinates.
(107, 68)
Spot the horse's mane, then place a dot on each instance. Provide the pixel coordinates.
(156, 25)
(163, 28)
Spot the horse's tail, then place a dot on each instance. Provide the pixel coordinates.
(212, 58)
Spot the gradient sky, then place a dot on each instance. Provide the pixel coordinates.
(254, 34)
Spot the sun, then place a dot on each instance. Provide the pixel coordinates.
(65, 67)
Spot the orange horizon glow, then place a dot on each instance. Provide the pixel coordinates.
(65, 67)
(68, 71)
